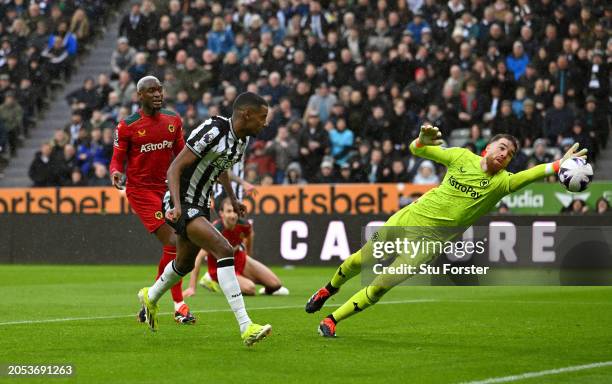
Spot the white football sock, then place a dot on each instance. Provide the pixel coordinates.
(230, 287)
(168, 278)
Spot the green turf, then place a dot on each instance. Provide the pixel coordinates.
(455, 334)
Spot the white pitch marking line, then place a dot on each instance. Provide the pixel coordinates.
(530, 375)
(200, 311)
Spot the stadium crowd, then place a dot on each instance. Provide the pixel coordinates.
(40, 42)
(350, 82)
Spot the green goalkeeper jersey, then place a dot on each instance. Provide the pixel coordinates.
(465, 194)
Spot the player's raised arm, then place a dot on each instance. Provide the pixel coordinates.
(224, 179)
(521, 179)
(428, 143)
(184, 159)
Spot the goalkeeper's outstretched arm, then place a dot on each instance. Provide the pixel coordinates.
(521, 179)
(427, 145)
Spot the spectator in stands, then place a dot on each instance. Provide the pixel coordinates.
(530, 124)
(322, 102)
(284, 149)
(314, 144)
(293, 174)
(100, 176)
(68, 39)
(134, 27)
(79, 26)
(477, 139)
(84, 99)
(140, 68)
(57, 59)
(124, 87)
(602, 206)
(540, 154)
(261, 159)
(220, 38)
(576, 207)
(578, 135)
(341, 140)
(518, 60)
(65, 163)
(558, 121)
(194, 79)
(11, 116)
(426, 174)
(505, 121)
(42, 169)
(596, 121)
(326, 174)
(375, 169)
(122, 57)
(472, 105)
(398, 172)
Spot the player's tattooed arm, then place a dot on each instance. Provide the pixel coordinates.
(224, 179)
(184, 159)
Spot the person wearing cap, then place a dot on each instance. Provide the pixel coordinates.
(326, 174)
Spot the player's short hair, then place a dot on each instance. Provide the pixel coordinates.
(142, 83)
(508, 137)
(249, 100)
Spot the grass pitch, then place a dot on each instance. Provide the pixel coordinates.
(85, 316)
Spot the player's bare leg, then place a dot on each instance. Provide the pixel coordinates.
(261, 274)
(205, 236)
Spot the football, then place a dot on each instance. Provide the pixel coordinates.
(575, 174)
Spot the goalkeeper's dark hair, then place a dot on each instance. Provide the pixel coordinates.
(508, 137)
(249, 100)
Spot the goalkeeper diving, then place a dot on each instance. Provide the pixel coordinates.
(472, 186)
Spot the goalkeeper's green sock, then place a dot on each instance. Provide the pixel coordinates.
(347, 270)
(361, 300)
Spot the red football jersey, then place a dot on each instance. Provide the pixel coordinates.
(236, 235)
(150, 144)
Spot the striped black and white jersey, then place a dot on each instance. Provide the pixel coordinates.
(216, 144)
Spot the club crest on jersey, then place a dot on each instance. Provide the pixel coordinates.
(191, 212)
(171, 128)
(159, 215)
(484, 183)
(142, 132)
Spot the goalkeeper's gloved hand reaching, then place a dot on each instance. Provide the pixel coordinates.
(572, 153)
(430, 135)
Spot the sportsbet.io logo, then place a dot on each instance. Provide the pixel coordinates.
(468, 190)
(148, 147)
